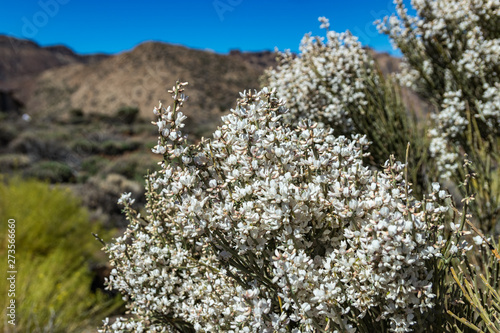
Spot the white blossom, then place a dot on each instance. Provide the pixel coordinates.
(273, 228)
(451, 52)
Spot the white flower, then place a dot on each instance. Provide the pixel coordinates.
(324, 80)
(125, 199)
(325, 23)
(478, 240)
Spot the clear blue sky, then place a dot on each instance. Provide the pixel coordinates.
(90, 26)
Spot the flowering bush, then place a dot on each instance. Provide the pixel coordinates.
(325, 80)
(451, 51)
(336, 83)
(275, 228)
(275, 224)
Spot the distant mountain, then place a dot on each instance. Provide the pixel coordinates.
(53, 81)
(19, 58)
(387, 63)
(21, 61)
(142, 76)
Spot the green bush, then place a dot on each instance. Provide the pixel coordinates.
(84, 146)
(480, 288)
(10, 162)
(133, 166)
(52, 171)
(42, 145)
(54, 248)
(112, 147)
(7, 133)
(76, 116)
(127, 114)
(93, 165)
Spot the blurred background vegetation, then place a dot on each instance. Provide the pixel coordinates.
(59, 284)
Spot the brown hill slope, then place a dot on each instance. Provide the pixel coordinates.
(52, 81)
(141, 77)
(19, 57)
(21, 61)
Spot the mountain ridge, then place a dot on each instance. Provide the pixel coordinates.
(52, 81)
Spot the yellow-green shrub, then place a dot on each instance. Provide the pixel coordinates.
(54, 249)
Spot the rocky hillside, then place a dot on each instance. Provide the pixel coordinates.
(22, 58)
(21, 61)
(141, 77)
(51, 82)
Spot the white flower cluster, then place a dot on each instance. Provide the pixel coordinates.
(269, 228)
(325, 81)
(452, 52)
(452, 118)
(490, 104)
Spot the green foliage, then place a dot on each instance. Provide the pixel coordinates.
(127, 114)
(132, 166)
(480, 288)
(40, 145)
(113, 147)
(484, 155)
(7, 133)
(54, 248)
(84, 146)
(390, 127)
(94, 164)
(52, 171)
(110, 146)
(9, 162)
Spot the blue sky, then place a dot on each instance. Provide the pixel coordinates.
(90, 26)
